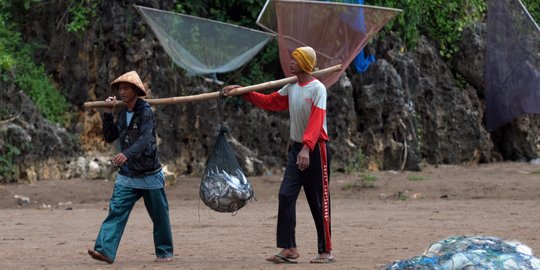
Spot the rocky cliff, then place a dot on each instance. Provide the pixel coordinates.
(410, 107)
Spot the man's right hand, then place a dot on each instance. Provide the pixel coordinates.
(229, 88)
(112, 100)
(119, 159)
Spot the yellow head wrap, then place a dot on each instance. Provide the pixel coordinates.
(306, 58)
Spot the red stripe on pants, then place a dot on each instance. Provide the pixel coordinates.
(325, 196)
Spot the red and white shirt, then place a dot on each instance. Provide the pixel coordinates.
(307, 108)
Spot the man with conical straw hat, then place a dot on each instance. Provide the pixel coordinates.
(139, 175)
(308, 161)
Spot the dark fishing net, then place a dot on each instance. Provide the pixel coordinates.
(512, 70)
(224, 187)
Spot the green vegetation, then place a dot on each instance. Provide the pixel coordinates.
(416, 178)
(8, 169)
(17, 65)
(9, 152)
(442, 21)
(359, 164)
(406, 24)
(402, 195)
(82, 13)
(368, 180)
(533, 6)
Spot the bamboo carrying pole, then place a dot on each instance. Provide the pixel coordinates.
(214, 95)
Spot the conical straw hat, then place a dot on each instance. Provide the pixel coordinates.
(133, 78)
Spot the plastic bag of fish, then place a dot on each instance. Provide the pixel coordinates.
(224, 187)
(225, 192)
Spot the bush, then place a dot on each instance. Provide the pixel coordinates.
(440, 20)
(82, 12)
(16, 59)
(8, 168)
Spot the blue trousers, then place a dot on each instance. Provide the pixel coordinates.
(120, 206)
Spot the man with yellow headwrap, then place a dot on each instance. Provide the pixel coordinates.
(308, 161)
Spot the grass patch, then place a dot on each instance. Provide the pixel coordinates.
(358, 164)
(402, 195)
(367, 180)
(416, 178)
(350, 186)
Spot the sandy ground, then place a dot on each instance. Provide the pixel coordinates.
(396, 219)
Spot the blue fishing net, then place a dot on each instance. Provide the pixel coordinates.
(472, 253)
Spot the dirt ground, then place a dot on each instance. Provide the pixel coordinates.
(396, 219)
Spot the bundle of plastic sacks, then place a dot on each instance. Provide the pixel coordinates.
(472, 253)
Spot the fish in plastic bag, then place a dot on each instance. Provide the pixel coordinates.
(224, 187)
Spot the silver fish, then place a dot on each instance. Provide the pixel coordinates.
(225, 192)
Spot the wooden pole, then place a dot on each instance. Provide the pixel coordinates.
(214, 95)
